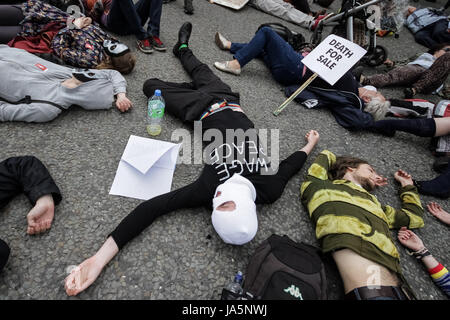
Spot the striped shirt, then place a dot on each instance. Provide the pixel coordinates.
(347, 216)
(441, 278)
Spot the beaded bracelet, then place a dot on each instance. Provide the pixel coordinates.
(420, 254)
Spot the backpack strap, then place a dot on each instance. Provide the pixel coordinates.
(28, 100)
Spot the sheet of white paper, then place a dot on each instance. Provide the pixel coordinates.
(145, 169)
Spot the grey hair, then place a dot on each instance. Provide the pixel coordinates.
(377, 108)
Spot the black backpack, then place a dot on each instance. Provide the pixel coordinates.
(296, 40)
(282, 269)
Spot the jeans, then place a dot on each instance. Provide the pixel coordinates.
(127, 18)
(433, 34)
(282, 60)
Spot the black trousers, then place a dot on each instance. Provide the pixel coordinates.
(28, 175)
(10, 18)
(188, 100)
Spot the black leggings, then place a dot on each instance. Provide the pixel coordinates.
(10, 18)
(418, 127)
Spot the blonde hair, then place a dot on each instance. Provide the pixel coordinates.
(377, 108)
(124, 64)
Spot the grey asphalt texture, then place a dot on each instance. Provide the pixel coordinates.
(180, 256)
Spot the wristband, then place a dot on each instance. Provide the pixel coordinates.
(420, 254)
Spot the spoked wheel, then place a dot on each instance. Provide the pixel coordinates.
(377, 56)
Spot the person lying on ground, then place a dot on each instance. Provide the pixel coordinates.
(35, 90)
(430, 127)
(295, 11)
(354, 107)
(27, 174)
(125, 17)
(46, 30)
(230, 183)
(439, 274)
(354, 227)
(430, 26)
(424, 75)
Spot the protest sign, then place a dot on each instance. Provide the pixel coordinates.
(333, 57)
(330, 60)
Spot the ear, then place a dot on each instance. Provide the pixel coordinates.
(350, 169)
(366, 99)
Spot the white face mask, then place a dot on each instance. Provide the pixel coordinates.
(240, 225)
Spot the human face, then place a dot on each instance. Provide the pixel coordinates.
(226, 206)
(367, 95)
(366, 176)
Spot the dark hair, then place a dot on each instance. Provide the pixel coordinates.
(437, 47)
(339, 168)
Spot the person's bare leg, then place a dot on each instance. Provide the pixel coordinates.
(88, 271)
(437, 211)
(41, 216)
(442, 126)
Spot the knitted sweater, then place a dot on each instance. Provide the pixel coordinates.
(347, 216)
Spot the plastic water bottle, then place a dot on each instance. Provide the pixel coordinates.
(155, 112)
(235, 287)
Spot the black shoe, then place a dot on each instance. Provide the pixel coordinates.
(357, 72)
(409, 93)
(441, 164)
(183, 37)
(167, 1)
(188, 7)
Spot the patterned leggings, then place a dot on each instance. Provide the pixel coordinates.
(421, 79)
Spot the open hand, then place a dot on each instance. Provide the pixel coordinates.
(409, 239)
(380, 181)
(123, 103)
(403, 178)
(312, 137)
(437, 211)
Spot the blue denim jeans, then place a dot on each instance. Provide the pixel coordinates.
(125, 17)
(282, 60)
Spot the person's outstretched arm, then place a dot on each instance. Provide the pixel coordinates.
(411, 213)
(287, 168)
(28, 174)
(437, 271)
(133, 224)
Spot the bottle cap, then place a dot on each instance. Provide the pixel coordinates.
(157, 92)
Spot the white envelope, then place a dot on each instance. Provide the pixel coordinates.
(145, 169)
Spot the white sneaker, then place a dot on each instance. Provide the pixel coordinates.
(225, 66)
(221, 41)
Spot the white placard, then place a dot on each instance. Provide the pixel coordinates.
(333, 57)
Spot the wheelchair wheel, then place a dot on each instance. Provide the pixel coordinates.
(377, 56)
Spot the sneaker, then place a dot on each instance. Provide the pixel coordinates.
(225, 66)
(157, 44)
(220, 41)
(144, 45)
